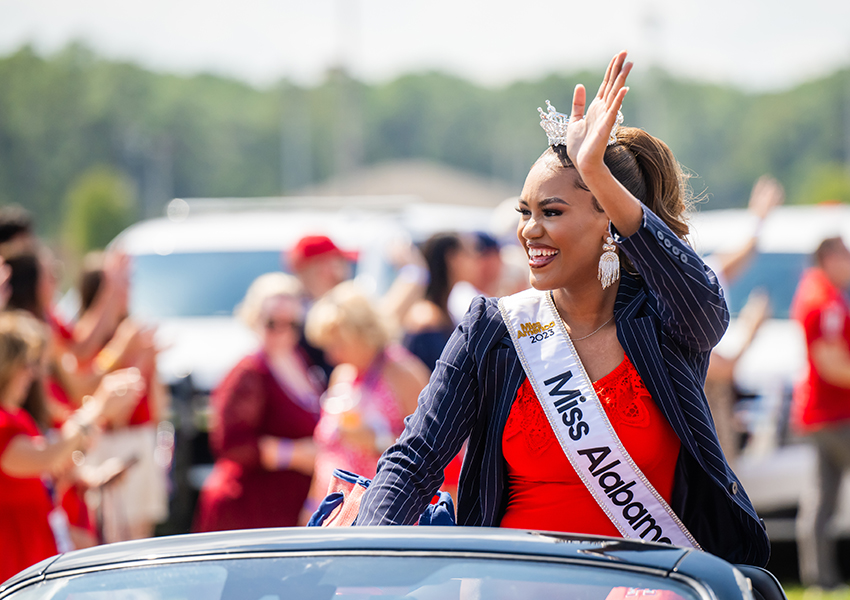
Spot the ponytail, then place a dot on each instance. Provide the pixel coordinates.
(647, 168)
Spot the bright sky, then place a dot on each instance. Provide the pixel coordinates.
(756, 44)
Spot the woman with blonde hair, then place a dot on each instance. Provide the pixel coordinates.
(264, 413)
(582, 398)
(373, 386)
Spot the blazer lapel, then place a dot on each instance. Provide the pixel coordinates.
(638, 334)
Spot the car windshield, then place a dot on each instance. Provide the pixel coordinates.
(195, 284)
(777, 274)
(361, 578)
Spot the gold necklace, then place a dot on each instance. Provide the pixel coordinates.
(594, 331)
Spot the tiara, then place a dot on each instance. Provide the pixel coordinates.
(555, 125)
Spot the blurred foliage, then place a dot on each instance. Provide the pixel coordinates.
(98, 206)
(827, 182)
(208, 136)
(797, 592)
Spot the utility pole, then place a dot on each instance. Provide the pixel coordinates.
(847, 120)
(349, 144)
(651, 105)
(296, 139)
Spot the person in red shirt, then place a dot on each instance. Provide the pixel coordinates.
(32, 528)
(68, 380)
(821, 406)
(25, 504)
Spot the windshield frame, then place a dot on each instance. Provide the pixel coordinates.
(697, 588)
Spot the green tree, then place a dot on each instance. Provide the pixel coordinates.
(825, 183)
(98, 205)
(208, 136)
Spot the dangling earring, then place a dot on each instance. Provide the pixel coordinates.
(609, 263)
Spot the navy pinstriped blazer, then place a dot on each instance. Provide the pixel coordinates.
(668, 319)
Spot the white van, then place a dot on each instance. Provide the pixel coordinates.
(192, 267)
(774, 465)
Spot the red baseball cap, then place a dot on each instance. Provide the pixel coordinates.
(313, 246)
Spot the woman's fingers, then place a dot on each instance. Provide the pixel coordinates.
(579, 101)
(619, 82)
(610, 116)
(618, 102)
(590, 136)
(601, 91)
(611, 74)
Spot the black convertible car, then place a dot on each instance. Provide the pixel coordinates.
(387, 563)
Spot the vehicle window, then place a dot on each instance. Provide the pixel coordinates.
(189, 581)
(777, 274)
(362, 578)
(195, 284)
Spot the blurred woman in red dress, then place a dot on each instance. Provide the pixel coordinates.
(264, 413)
(31, 528)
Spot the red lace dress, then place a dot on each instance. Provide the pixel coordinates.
(545, 492)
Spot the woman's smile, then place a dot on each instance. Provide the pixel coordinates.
(540, 256)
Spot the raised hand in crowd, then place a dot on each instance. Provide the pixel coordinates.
(766, 195)
(106, 308)
(27, 456)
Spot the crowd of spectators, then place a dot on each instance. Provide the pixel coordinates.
(335, 374)
(83, 458)
(65, 389)
(84, 455)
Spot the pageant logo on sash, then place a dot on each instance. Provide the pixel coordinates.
(582, 428)
(536, 331)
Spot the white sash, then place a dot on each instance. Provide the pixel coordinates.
(581, 426)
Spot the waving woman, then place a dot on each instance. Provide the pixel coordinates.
(582, 398)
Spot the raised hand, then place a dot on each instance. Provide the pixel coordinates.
(589, 130)
(117, 396)
(116, 274)
(767, 194)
